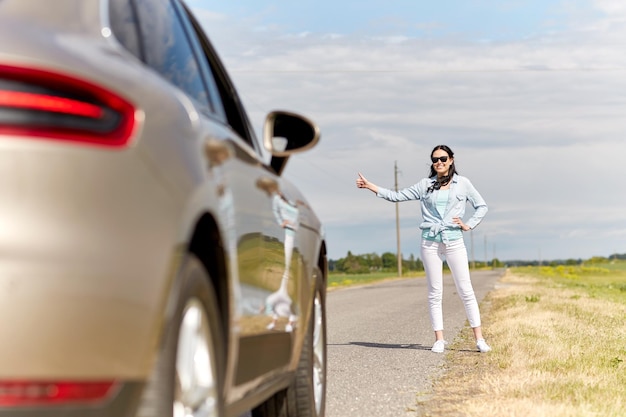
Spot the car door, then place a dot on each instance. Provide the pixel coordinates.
(260, 228)
(263, 313)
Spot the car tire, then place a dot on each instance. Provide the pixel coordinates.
(306, 396)
(187, 380)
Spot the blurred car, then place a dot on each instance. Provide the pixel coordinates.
(153, 259)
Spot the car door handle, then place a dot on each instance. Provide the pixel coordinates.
(267, 184)
(217, 151)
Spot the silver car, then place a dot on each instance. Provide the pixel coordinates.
(153, 259)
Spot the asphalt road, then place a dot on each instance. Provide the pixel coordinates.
(379, 340)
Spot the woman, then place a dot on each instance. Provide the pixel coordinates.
(443, 196)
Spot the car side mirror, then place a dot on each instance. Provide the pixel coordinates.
(286, 133)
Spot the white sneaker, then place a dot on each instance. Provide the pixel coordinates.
(482, 345)
(439, 346)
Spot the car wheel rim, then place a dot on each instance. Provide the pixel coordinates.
(196, 389)
(319, 360)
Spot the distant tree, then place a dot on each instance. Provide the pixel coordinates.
(597, 260)
(373, 261)
(412, 264)
(419, 265)
(353, 264)
(332, 265)
(390, 261)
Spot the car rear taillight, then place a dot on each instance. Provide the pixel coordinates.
(43, 104)
(32, 393)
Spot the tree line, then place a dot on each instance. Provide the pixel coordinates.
(373, 262)
(388, 262)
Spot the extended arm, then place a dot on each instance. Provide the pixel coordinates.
(406, 194)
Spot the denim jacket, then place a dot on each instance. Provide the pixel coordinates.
(461, 191)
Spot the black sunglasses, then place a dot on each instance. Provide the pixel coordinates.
(441, 158)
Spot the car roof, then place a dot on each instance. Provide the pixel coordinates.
(86, 17)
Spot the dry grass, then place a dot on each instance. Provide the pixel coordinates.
(559, 349)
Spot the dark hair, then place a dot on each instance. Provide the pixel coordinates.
(440, 182)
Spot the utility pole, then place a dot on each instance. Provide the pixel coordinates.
(395, 173)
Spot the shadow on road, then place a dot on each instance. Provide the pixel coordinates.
(383, 345)
(415, 346)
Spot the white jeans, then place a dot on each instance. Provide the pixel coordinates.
(455, 254)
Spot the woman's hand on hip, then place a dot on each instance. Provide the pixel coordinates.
(463, 226)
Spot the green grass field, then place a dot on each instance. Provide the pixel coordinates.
(342, 280)
(598, 280)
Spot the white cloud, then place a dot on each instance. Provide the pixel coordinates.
(616, 9)
(537, 125)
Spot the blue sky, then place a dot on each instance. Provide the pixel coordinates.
(470, 20)
(531, 96)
